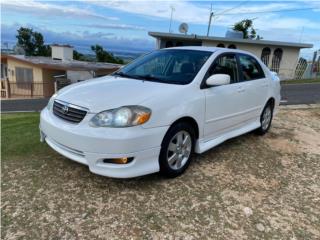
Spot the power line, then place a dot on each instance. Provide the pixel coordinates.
(227, 10)
(236, 6)
(271, 11)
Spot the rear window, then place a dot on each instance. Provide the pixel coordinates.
(250, 68)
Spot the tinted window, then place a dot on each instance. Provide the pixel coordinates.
(226, 64)
(250, 68)
(167, 66)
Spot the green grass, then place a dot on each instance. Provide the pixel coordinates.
(20, 135)
(296, 81)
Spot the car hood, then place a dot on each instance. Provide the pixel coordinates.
(111, 92)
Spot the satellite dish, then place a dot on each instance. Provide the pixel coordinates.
(183, 28)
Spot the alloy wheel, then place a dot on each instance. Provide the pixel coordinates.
(179, 150)
(266, 118)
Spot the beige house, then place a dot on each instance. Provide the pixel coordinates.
(23, 76)
(281, 57)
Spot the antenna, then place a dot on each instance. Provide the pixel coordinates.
(183, 28)
(172, 10)
(210, 18)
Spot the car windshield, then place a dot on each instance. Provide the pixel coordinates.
(174, 66)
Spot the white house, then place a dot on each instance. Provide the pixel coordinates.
(281, 57)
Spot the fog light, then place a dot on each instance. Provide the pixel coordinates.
(124, 160)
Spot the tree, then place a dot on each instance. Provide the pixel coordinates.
(104, 56)
(32, 42)
(246, 27)
(79, 56)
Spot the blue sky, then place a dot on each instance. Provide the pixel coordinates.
(125, 24)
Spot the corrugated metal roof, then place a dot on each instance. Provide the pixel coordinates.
(231, 40)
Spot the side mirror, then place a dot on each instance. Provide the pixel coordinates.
(218, 79)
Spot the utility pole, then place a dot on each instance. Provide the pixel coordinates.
(210, 18)
(172, 9)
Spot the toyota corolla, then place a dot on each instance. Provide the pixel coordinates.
(154, 113)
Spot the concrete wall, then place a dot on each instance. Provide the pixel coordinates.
(48, 81)
(62, 53)
(289, 58)
(76, 76)
(24, 89)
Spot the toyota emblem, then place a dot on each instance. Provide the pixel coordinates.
(65, 109)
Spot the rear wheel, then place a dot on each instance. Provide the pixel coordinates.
(176, 150)
(265, 119)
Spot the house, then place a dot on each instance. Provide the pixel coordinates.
(280, 57)
(34, 76)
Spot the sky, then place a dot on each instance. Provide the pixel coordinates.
(124, 25)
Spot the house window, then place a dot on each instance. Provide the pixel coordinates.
(4, 71)
(232, 46)
(265, 55)
(276, 60)
(221, 45)
(24, 75)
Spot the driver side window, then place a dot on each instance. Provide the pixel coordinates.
(226, 64)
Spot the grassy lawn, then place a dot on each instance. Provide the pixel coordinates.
(250, 187)
(296, 81)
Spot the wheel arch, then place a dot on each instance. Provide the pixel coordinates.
(189, 120)
(271, 101)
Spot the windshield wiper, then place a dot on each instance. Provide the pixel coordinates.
(149, 77)
(122, 74)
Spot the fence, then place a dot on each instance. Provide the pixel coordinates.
(26, 90)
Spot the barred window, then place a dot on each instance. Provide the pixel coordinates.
(24, 75)
(265, 55)
(276, 60)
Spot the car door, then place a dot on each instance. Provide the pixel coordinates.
(254, 84)
(224, 105)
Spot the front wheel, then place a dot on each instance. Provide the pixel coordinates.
(265, 119)
(176, 150)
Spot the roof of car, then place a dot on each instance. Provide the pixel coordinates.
(208, 49)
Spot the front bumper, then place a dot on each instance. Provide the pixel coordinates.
(89, 146)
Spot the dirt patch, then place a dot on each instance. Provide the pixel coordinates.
(250, 187)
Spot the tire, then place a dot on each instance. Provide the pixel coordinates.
(176, 150)
(265, 119)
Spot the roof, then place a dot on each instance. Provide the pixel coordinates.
(61, 45)
(49, 63)
(194, 37)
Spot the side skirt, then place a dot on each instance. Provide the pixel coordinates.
(202, 146)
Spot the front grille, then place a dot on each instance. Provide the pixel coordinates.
(68, 112)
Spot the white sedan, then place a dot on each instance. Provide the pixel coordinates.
(152, 114)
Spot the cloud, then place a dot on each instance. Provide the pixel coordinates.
(115, 26)
(186, 11)
(82, 40)
(47, 9)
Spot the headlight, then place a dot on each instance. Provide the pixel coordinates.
(51, 101)
(126, 116)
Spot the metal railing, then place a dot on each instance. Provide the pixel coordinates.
(26, 90)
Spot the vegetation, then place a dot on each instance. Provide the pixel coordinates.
(246, 27)
(104, 56)
(297, 81)
(32, 42)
